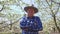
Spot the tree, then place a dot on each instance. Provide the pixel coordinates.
(53, 14)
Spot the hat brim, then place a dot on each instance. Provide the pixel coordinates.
(35, 9)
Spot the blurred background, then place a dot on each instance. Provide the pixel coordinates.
(11, 11)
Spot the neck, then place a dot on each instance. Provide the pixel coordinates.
(30, 16)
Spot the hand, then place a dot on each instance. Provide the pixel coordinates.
(40, 29)
(26, 29)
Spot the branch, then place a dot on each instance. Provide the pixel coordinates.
(55, 2)
(58, 19)
(50, 6)
(58, 6)
(47, 3)
(12, 23)
(2, 8)
(57, 10)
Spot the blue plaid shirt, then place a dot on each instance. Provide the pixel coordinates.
(33, 25)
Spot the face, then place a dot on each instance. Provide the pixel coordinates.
(30, 12)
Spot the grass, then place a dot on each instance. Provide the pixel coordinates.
(8, 33)
(5, 33)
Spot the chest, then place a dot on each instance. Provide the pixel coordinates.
(32, 22)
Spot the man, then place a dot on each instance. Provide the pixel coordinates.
(31, 24)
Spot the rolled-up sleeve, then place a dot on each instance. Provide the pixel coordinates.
(22, 23)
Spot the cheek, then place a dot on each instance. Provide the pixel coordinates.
(31, 12)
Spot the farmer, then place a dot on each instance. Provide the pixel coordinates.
(31, 24)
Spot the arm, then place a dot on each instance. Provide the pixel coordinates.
(40, 27)
(23, 24)
(37, 25)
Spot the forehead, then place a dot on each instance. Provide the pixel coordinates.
(30, 9)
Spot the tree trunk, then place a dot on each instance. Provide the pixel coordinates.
(56, 23)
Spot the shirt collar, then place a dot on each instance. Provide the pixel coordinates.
(30, 18)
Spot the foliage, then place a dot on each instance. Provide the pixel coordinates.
(49, 13)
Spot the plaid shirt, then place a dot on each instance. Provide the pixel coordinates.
(33, 25)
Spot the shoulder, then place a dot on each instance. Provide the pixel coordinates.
(37, 18)
(22, 18)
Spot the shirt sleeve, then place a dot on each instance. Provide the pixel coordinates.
(23, 23)
(40, 27)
